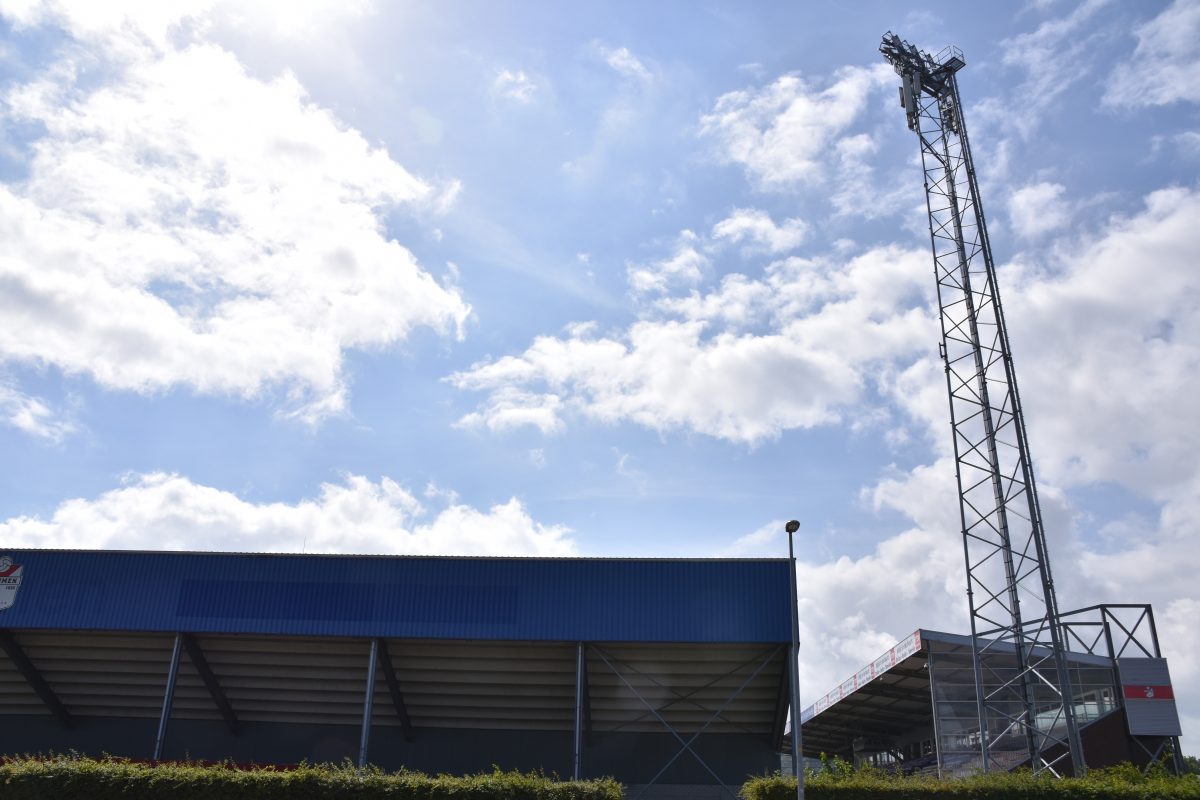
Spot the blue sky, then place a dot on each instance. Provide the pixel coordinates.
(595, 279)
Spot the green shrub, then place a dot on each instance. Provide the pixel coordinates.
(78, 778)
(839, 783)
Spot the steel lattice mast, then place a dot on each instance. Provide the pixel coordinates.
(1022, 686)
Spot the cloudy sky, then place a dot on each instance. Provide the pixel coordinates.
(595, 279)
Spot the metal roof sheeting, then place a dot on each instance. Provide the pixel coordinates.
(519, 599)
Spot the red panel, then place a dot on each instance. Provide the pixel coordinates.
(1141, 692)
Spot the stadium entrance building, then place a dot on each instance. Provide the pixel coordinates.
(663, 672)
(914, 708)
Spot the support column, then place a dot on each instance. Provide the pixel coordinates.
(168, 697)
(797, 746)
(368, 704)
(579, 662)
(794, 665)
(933, 699)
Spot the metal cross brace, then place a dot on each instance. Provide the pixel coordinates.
(686, 744)
(686, 697)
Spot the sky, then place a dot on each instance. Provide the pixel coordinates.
(596, 279)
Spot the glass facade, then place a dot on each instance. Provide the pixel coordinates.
(955, 710)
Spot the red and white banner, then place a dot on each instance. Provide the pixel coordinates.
(903, 649)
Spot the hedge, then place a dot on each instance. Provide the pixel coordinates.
(79, 778)
(1119, 783)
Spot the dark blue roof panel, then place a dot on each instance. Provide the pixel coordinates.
(635, 600)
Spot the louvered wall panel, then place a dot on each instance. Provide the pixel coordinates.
(97, 674)
(16, 695)
(286, 679)
(444, 684)
(488, 685)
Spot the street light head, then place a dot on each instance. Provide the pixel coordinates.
(792, 526)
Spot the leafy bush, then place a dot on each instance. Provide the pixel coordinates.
(78, 778)
(838, 782)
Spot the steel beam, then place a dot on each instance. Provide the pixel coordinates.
(782, 704)
(168, 697)
(368, 706)
(933, 710)
(794, 669)
(393, 684)
(579, 668)
(587, 703)
(34, 678)
(200, 662)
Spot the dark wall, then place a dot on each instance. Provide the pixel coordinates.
(1106, 743)
(630, 757)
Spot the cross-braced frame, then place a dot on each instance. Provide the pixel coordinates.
(1022, 684)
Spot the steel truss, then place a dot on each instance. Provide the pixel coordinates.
(1116, 630)
(1020, 665)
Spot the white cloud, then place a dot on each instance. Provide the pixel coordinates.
(130, 24)
(159, 511)
(757, 229)
(630, 473)
(1038, 209)
(1165, 66)
(1115, 328)
(509, 408)
(761, 542)
(1105, 340)
(127, 25)
(32, 415)
(186, 224)
(1188, 143)
(516, 86)
(1055, 56)
(697, 368)
(782, 133)
(627, 64)
(299, 21)
(684, 267)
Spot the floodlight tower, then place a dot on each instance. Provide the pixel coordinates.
(1023, 689)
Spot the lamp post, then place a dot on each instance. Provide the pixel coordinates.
(794, 665)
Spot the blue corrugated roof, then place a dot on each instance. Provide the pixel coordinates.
(555, 599)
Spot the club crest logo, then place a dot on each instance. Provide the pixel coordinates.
(10, 581)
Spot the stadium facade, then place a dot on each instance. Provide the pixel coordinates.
(669, 672)
(663, 673)
(915, 707)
